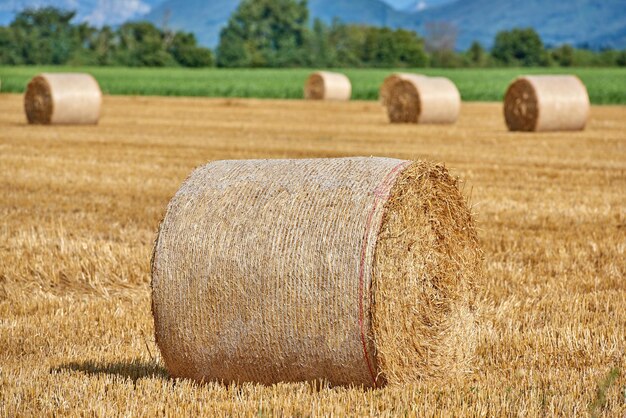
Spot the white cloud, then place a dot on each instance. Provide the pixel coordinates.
(113, 12)
(96, 12)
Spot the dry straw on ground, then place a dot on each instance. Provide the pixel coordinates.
(388, 84)
(420, 99)
(325, 85)
(546, 103)
(63, 98)
(351, 270)
(79, 210)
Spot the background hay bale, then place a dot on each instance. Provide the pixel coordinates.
(353, 270)
(546, 103)
(63, 98)
(324, 85)
(424, 100)
(389, 83)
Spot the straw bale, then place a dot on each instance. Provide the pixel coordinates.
(546, 103)
(324, 85)
(63, 98)
(358, 271)
(424, 100)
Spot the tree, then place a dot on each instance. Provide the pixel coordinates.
(322, 54)
(185, 51)
(9, 54)
(265, 33)
(45, 36)
(564, 55)
(411, 51)
(519, 47)
(440, 36)
(141, 44)
(476, 55)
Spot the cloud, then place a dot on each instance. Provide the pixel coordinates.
(96, 12)
(113, 12)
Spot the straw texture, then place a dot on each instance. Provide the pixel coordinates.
(546, 103)
(420, 99)
(324, 85)
(388, 84)
(354, 270)
(63, 98)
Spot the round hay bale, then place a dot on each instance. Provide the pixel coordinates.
(546, 103)
(63, 98)
(324, 85)
(354, 270)
(389, 83)
(424, 100)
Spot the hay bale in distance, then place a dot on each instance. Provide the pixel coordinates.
(63, 98)
(352, 270)
(325, 85)
(424, 100)
(389, 83)
(546, 103)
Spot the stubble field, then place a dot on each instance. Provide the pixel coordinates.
(80, 207)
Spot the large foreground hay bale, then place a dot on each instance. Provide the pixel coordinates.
(63, 98)
(389, 83)
(355, 270)
(324, 85)
(546, 103)
(424, 100)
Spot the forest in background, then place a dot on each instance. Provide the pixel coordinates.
(275, 34)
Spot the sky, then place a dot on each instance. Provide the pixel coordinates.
(114, 12)
(415, 4)
(96, 12)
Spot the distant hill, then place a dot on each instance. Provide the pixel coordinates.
(596, 24)
(593, 23)
(206, 18)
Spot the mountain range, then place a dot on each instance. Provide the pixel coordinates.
(592, 23)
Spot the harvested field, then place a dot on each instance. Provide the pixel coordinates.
(80, 207)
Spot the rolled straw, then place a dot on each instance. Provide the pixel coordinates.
(63, 98)
(546, 103)
(420, 99)
(354, 270)
(324, 85)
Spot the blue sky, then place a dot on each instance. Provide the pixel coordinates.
(113, 12)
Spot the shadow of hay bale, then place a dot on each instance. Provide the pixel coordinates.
(131, 370)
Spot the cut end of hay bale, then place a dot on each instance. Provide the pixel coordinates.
(521, 109)
(403, 103)
(388, 84)
(426, 264)
(38, 102)
(546, 103)
(357, 271)
(63, 98)
(314, 89)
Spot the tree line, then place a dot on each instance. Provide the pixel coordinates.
(48, 36)
(275, 33)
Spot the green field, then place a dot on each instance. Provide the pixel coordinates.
(605, 85)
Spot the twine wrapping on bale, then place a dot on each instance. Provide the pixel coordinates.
(63, 98)
(424, 100)
(354, 270)
(389, 83)
(324, 85)
(546, 103)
